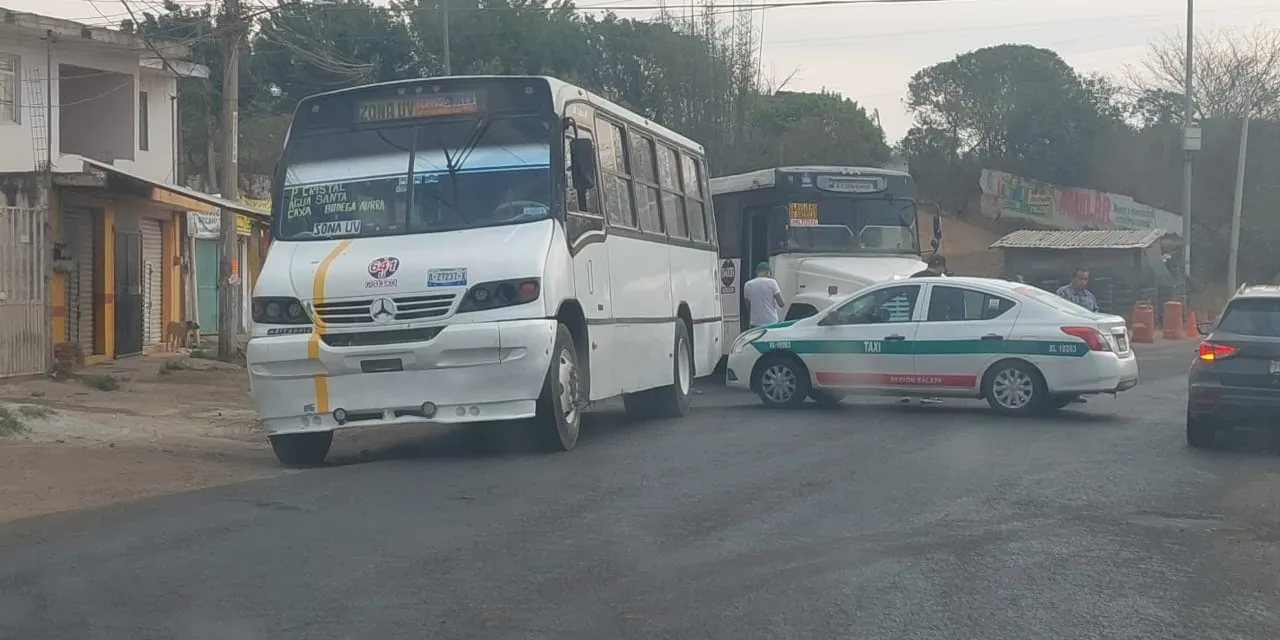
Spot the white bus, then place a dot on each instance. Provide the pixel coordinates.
(475, 249)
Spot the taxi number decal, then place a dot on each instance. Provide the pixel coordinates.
(780, 345)
(1064, 348)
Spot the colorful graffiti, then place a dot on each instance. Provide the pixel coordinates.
(1008, 195)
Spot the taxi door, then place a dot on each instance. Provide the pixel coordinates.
(963, 330)
(866, 343)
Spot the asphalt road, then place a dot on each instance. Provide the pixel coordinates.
(870, 521)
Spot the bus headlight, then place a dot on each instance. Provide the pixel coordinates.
(279, 310)
(501, 293)
(746, 339)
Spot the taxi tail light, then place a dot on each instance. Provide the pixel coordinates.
(1091, 337)
(1215, 351)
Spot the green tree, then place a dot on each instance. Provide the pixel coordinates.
(1013, 107)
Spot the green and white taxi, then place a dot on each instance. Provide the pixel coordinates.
(1021, 348)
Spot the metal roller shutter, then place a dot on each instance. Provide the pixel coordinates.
(77, 225)
(152, 279)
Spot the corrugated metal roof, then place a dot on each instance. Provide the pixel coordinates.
(1092, 239)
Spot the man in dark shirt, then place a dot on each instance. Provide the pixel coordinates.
(936, 266)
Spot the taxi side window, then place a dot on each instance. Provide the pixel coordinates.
(894, 304)
(955, 304)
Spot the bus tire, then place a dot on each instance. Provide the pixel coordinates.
(559, 414)
(672, 401)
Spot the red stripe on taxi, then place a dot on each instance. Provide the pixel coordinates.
(833, 379)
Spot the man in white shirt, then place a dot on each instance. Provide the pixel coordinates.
(763, 297)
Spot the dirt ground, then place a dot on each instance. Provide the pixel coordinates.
(138, 427)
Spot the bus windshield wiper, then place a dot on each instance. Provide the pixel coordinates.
(455, 160)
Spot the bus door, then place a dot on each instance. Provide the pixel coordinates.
(759, 235)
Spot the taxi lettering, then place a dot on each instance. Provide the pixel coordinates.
(871, 346)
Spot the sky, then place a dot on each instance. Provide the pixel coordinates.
(868, 52)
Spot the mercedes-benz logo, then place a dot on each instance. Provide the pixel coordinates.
(382, 310)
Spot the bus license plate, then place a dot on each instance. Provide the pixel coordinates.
(456, 277)
(1275, 367)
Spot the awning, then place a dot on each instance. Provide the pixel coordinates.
(166, 193)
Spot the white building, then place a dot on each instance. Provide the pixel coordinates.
(102, 260)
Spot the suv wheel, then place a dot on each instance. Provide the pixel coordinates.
(1201, 434)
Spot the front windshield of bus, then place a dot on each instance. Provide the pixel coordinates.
(354, 183)
(858, 225)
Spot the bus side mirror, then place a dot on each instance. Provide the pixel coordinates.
(582, 159)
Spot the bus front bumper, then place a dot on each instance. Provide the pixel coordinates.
(466, 373)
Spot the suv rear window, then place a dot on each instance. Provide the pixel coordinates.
(1257, 317)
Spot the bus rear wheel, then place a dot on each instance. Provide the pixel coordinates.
(671, 401)
(559, 417)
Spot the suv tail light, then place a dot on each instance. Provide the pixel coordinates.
(1214, 351)
(1091, 337)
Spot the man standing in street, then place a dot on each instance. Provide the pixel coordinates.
(763, 297)
(1077, 290)
(936, 266)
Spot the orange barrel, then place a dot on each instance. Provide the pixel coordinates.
(1173, 320)
(1144, 322)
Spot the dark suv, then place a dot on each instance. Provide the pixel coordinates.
(1235, 379)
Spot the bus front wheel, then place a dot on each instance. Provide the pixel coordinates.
(559, 417)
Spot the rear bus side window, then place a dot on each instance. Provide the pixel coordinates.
(672, 200)
(645, 173)
(615, 171)
(695, 205)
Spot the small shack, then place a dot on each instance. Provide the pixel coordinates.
(1126, 265)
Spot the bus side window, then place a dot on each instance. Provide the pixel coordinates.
(574, 200)
(695, 206)
(672, 200)
(615, 171)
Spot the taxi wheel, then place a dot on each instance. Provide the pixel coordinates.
(782, 381)
(559, 417)
(1015, 387)
(302, 449)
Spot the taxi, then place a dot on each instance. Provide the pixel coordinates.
(1022, 349)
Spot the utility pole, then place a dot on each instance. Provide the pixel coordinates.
(1238, 206)
(228, 310)
(1188, 145)
(444, 8)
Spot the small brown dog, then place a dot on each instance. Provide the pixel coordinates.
(180, 335)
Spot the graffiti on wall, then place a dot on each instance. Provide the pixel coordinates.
(1008, 195)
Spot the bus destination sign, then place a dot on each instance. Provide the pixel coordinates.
(440, 104)
(851, 184)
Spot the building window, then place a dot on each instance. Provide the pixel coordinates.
(144, 125)
(8, 89)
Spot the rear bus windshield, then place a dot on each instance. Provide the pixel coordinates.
(1252, 318)
(355, 183)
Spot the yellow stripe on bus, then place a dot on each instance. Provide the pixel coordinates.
(319, 381)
